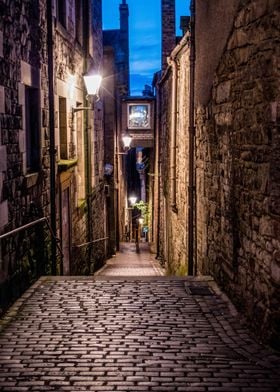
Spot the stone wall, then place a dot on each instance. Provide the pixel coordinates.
(238, 179)
(24, 190)
(23, 193)
(84, 167)
(173, 213)
(110, 132)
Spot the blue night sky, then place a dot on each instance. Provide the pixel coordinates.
(144, 36)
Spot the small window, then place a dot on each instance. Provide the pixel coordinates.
(32, 126)
(63, 128)
(79, 22)
(61, 12)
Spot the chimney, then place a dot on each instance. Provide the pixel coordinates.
(168, 30)
(124, 16)
(124, 44)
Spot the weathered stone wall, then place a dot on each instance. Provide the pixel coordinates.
(23, 195)
(238, 180)
(110, 132)
(24, 191)
(85, 137)
(173, 225)
(23, 56)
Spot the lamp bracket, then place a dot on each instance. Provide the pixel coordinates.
(79, 108)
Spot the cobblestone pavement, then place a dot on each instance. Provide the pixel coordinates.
(130, 334)
(129, 263)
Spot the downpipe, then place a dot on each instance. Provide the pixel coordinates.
(191, 187)
(52, 149)
(173, 156)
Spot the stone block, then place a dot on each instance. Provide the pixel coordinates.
(3, 214)
(3, 158)
(1, 184)
(30, 76)
(1, 43)
(275, 272)
(250, 13)
(2, 99)
(21, 140)
(266, 226)
(223, 91)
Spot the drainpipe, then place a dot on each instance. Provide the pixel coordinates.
(172, 62)
(52, 150)
(86, 129)
(157, 167)
(191, 187)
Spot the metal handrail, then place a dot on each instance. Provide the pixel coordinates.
(33, 223)
(90, 242)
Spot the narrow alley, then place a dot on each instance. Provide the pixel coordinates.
(140, 195)
(119, 332)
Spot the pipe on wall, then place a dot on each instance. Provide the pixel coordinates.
(173, 142)
(191, 187)
(52, 149)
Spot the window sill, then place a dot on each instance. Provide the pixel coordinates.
(66, 164)
(31, 179)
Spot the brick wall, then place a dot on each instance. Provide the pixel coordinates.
(238, 179)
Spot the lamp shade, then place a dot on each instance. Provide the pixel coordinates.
(132, 200)
(92, 83)
(126, 138)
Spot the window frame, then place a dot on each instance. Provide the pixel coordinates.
(32, 129)
(61, 13)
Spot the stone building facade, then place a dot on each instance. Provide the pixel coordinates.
(236, 230)
(172, 168)
(238, 150)
(116, 75)
(24, 158)
(25, 168)
(80, 137)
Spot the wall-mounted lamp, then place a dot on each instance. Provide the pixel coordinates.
(92, 83)
(132, 200)
(141, 221)
(126, 139)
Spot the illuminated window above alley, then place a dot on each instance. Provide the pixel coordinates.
(138, 116)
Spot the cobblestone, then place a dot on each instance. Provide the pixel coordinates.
(115, 333)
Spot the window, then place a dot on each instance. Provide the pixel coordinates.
(61, 12)
(63, 128)
(79, 21)
(138, 116)
(32, 127)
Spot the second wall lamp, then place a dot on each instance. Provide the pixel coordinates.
(92, 83)
(127, 139)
